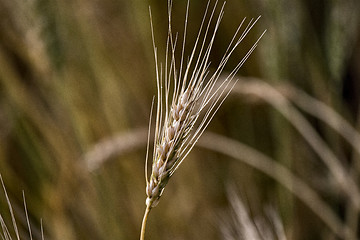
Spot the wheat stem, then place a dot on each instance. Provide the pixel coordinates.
(143, 225)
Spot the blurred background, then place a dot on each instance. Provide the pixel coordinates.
(76, 84)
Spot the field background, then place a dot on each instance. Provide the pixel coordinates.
(79, 74)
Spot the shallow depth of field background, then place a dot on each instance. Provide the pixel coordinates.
(73, 73)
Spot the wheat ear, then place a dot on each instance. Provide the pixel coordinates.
(184, 112)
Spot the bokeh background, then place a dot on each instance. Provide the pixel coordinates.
(76, 84)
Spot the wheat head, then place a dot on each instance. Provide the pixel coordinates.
(184, 112)
(188, 96)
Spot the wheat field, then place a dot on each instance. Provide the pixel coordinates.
(280, 159)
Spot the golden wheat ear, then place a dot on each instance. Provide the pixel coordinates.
(188, 95)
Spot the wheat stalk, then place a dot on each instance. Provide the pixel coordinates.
(187, 98)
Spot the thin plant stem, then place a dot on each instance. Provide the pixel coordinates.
(279, 102)
(143, 225)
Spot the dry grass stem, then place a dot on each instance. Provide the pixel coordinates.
(280, 173)
(106, 148)
(325, 113)
(272, 96)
